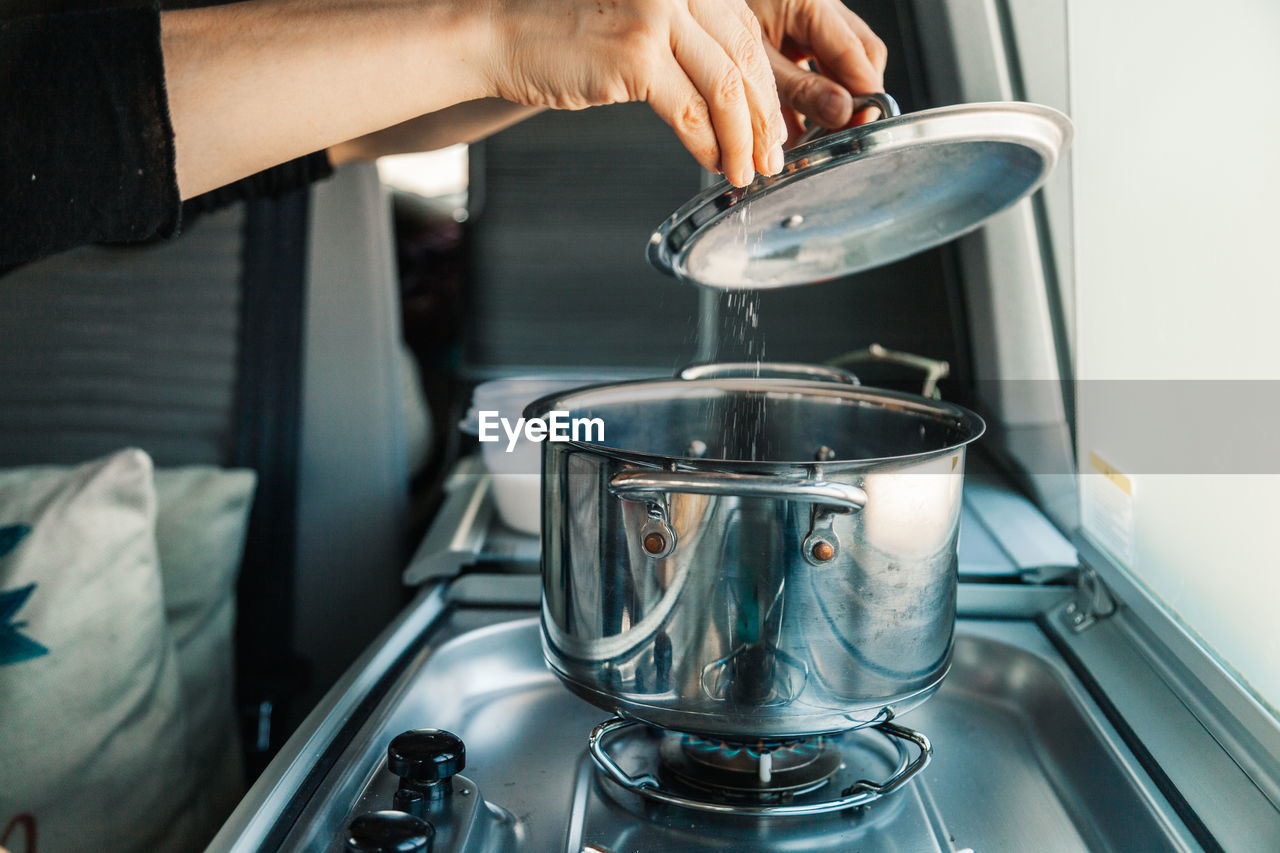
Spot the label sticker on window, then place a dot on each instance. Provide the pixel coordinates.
(1106, 497)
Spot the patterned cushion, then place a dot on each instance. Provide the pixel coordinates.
(201, 519)
(95, 743)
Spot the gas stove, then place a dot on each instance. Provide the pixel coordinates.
(451, 734)
(1023, 759)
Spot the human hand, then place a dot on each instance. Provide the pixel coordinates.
(701, 65)
(849, 58)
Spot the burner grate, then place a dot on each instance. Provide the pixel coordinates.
(731, 778)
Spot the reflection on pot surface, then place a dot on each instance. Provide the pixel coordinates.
(754, 599)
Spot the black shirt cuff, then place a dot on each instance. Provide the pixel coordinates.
(85, 131)
(269, 183)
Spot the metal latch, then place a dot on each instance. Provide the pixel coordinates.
(1092, 602)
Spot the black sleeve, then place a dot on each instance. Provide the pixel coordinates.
(86, 146)
(270, 183)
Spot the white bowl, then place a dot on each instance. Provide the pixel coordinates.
(516, 473)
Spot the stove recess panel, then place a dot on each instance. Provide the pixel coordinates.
(1023, 761)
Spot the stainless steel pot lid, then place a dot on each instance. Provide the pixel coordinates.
(864, 197)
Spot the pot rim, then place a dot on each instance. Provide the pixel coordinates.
(968, 422)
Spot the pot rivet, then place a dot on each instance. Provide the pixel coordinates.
(823, 551)
(654, 543)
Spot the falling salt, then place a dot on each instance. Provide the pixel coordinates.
(738, 338)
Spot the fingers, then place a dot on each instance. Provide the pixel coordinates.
(876, 51)
(847, 52)
(674, 98)
(815, 96)
(724, 60)
(720, 85)
(737, 31)
(701, 64)
(871, 43)
(841, 53)
(795, 126)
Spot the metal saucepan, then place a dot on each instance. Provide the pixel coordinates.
(752, 557)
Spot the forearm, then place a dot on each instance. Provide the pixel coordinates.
(254, 84)
(462, 123)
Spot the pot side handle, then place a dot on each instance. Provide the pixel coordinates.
(644, 485)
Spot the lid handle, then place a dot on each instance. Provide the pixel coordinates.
(888, 109)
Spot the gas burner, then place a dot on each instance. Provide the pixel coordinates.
(761, 772)
(768, 778)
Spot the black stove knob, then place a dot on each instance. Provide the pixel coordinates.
(389, 832)
(426, 756)
(412, 800)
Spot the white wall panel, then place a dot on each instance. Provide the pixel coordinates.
(1177, 181)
